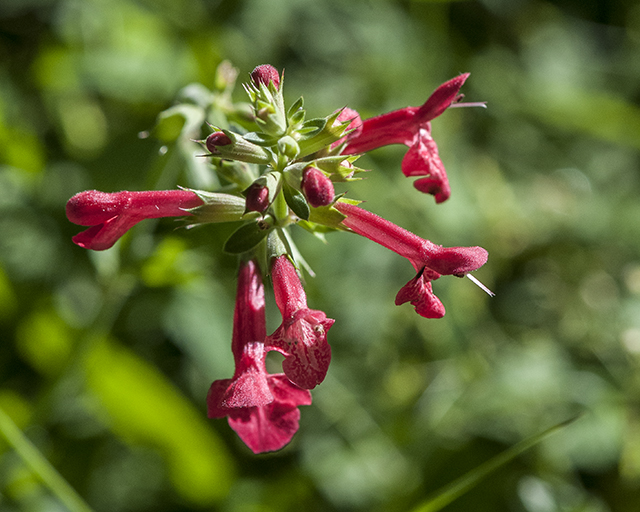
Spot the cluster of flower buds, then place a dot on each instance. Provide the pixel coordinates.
(279, 173)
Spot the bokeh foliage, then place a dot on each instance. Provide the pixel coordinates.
(105, 359)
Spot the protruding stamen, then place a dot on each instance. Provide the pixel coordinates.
(481, 286)
(482, 104)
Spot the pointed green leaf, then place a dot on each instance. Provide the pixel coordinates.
(296, 201)
(297, 106)
(246, 237)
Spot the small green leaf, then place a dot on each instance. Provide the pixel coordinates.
(312, 127)
(246, 237)
(296, 201)
(297, 106)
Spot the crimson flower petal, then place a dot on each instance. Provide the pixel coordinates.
(302, 336)
(418, 291)
(441, 98)
(271, 427)
(303, 341)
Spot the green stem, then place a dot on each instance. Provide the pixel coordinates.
(40, 465)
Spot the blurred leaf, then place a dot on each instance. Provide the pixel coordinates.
(177, 120)
(45, 341)
(596, 113)
(16, 407)
(8, 299)
(167, 266)
(40, 465)
(144, 407)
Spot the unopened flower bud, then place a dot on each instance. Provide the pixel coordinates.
(264, 74)
(257, 196)
(317, 188)
(217, 139)
(229, 145)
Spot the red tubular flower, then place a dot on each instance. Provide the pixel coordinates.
(302, 336)
(411, 126)
(111, 215)
(261, 408)
(430, 260)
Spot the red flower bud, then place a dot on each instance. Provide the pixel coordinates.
(264, 74)
(317, 188)
(257, 198)
(217, 139)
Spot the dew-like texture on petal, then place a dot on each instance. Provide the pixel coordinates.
(302, 339)
(302, 336)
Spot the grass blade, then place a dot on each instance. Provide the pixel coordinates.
(457, 488)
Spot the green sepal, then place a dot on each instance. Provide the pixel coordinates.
(332, 165)
(296, 114)
(327, 216)
(296, 200)
(216, 208)
(268, 104)
(261, 139)
(320, 133)
(240, 173)
(243, 150)
(247, 236)
(297, 106)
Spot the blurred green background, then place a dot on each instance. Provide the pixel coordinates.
(105, 359)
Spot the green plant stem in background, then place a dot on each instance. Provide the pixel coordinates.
(457, 488)
(40, 465)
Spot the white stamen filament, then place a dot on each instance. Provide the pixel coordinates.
(481, 286)
(482, 104)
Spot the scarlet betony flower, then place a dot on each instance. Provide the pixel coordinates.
(411, 126)
(262, 408)
(111, 215)
(302, 336)
(277, 173)
(430, 260)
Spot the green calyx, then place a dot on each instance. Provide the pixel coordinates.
(260, 151)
